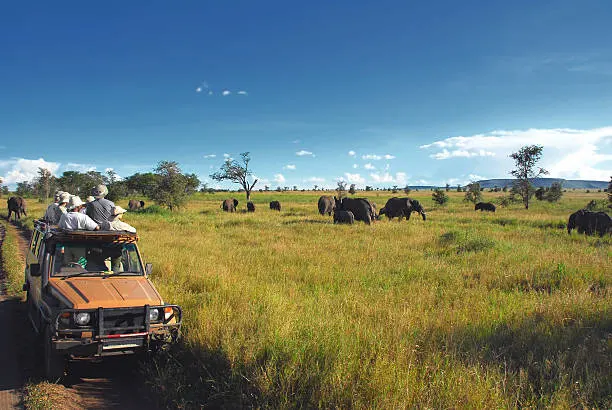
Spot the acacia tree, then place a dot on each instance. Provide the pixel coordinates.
(473, 192)
(610, 191)
(237, 173)
(43, 184)
(525, 160)
(173, 187)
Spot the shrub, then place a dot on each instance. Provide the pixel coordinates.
(439, 197)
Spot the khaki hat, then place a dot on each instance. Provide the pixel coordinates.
(74, 202)
(90, 199)
(64, 197)
(57, 195)
(99, 191)
(119, 210)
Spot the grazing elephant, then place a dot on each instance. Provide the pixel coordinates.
(589, 223)
(326, 204)
(229, 205)
(343, 217)
(400, 207)
(360, 207)
(17, 205)
(134, 204)
(275, 206)
(250, 206)
(484, 206)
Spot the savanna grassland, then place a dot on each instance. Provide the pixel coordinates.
(464, 310)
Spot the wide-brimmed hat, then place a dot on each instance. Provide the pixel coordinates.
(119, 210)
(74, 202)
(64, 197)
(99, 191)
(57, 195)
(90, 199)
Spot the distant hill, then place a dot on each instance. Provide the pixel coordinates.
(544, 182)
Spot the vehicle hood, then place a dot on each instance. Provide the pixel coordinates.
(92, 293)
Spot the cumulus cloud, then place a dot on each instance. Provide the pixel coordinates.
(304, 153)
(369, 166)
(352, 153)
(354, 178)
(279, 178)
(225, 92)
(17, 170)
(399, 178)
(210, 156)
(568, 153)
(315, 179)
(290, 167)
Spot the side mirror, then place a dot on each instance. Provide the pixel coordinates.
(35, 269)
(148, 269)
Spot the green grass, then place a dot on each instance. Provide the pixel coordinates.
(466, 309)
(12, 260)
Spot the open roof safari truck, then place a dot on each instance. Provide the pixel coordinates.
(89, 295)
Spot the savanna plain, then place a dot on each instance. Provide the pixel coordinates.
(463, 310)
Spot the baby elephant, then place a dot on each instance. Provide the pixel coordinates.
(344, 217)
(484, 206)
(250, 206)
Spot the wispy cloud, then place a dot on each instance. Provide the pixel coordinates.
(568, 153)
(296, 141)
(290, 167)
(72, 166)
(355, 166)
(354, 178)
(242, 92)
(226, 155)
(315, 180)
(279, 178)
(304, 153)
(400, 178)
(369, 166)
(352, 153)
(17, 170)
(375, 157)
(210, 156)
(225, 92)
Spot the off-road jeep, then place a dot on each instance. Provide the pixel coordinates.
(88, 295)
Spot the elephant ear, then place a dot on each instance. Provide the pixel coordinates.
(235, 202)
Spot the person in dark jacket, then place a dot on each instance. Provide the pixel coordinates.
(101, 209)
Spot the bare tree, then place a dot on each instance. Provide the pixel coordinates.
(341, 189)
(237, 173)
(525, 160)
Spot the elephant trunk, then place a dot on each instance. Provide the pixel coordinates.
(423, 215)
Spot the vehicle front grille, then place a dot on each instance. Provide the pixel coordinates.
(123, 321)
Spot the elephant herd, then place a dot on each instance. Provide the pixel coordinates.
(231, 204)
(349, 210)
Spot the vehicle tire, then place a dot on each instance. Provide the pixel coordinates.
(54, 364)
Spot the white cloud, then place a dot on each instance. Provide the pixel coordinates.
(399, 178)
(315, 179)
(279, 178)
(387, 166)
(351, 153)
(371, 157)
(289, 167)
(303, 153)
(296, 141)
(71, 166)
(369, 166)
(210, 156)
(355, 166)
(22, 169)
(226, 155)
(242, 93)
(388, 156)
(225, 92)
(568, 153)
(199, 90)
(354, 178)
(475, 177)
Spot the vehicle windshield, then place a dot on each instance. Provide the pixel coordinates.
(96, 258)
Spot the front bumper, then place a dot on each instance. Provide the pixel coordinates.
(105, 339)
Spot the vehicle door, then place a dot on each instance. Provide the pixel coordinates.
(33, 279)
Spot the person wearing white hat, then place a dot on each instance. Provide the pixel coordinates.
(58, 208)
(74, 219)
(100, 209)
(116, 224)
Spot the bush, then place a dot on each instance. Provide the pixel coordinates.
(439, 197)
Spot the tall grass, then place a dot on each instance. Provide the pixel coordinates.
(466, 309)
(12, 260)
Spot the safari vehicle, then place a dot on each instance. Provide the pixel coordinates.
(88, 295)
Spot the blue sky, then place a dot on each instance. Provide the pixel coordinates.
(377, 93)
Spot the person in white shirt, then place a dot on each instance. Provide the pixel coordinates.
(87, 201)
(116, 224)
(74, 219)
(58, 208)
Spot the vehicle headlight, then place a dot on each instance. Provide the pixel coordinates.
(153, 315)
(82, 318)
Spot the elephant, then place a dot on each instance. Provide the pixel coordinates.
(484, 206)
(360, 207)
(326, 205)
(17, 205)
(589, 223)
(229, 205)
(400, 207)
(134, 204)
(343, 217)
(275, 206)
(250, 206)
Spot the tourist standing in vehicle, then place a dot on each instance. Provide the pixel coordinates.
(74, 219)
(57, 209)
(117, 224)
(100, 209)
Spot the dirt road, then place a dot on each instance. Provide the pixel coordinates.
(111, 384)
